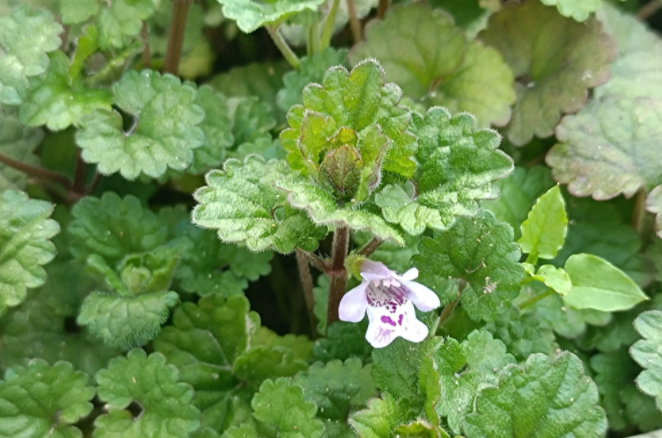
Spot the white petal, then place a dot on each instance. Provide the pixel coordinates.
(410, 275)
(353, 304)
(424, 298)
(412, 329)
(379, 336)
(375, 270)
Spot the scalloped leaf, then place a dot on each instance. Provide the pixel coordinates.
(78, 11)
(167, 411)
(242, 203)
(578, 10)
(458, 165)
(654, 205)
(646, 352)
(25, 246)
(39, 400)
(19, 143)
(555, 61)
(26, 38)
(250, 15)
(164, 134)
(121, 20)
(431, 59)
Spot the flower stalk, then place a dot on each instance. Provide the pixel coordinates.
(173, 56)
(307, 283)
(282, 45)
(337, 273)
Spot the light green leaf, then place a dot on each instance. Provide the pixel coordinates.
(646, 352)
(555, 59)
(114, 227)
(25, 246)
(431, 59)
(78, 11)
(464, 369)
(609, 147)
(39, 400)
(654, 205)
(579, 10)
(57, 102)
(597, 284)
(310, 70)
(203, 342)
(335, 388)
(121, 20)
(217, 127)
(458, 165)
(518, 193)
(19, 143)
(380, 418)
(242, 203)
(164, 133)
(26, 37)
(251, 15)
(167, 411)
(543, 232)
(555, 278)
(282, 405)
(321, 207)
(477, 261)
(546, 397)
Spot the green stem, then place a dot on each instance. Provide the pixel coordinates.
(354, 22)
(147, 54)
(639, 212)
(307, 283)
(532, 258)
(282, 45)
(37, 172)
(531, 301)
(338, 273)
(173, 55)
(329, 21)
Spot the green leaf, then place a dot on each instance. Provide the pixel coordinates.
(125, 321)
(380, 419)
(640, 409)
(121, 20)
(265, 147)
(57, 102)
(654, 205)
(431, 59)
(252, 119)
(614, 372)
(282, 405)
(646, 353)
(597, 284)
(26, 38)
(242, 203)
(548, 397)
(310, 70)
(114, 227)
(523, 334)
(344, 340)
(372, 122)
(203, 343)
(322, 209)
(77, 11)
(25, 246)
(579, 10)
(164, 133)
(264, 362)
(555, 278)
(217, 127)
(39, 400)
(517, 194)
(476, 260)
(167, 411)
(19, 143)
(251, 15)
(543, 232)
(555, 60)
(465, 368)
(604, 149)
(458, 166)
(335, 388)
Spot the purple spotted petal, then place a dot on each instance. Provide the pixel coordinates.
(354, 304)
(375, 271)
(386, 325)
(422, 297)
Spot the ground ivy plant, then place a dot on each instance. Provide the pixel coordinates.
(330, 218)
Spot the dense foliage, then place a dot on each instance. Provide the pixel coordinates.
(201, 201)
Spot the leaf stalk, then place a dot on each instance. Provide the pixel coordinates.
(329, 21)
(307, 283)
(354, 22)
(173, 55)
(282, 45)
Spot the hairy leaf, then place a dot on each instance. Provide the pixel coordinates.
(646, 352)
(217, 128)
(251, 15)
(579, 10)
(380, 418)
(614, 372)
(121, 20)
(523, 334)
(344, 340)
(78, 11)
(19, 143)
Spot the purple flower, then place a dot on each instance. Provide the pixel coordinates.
(389, 299)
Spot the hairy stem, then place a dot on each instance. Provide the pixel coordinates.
(354, 22)
(307, 283)
(37, 172)
(282, 45)
(314, 260)
(534, 299)
(176, 35)
(649, 9)
(338, 274)
(382, 8)
(370, 247)
(327, 31)
(146, 57)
